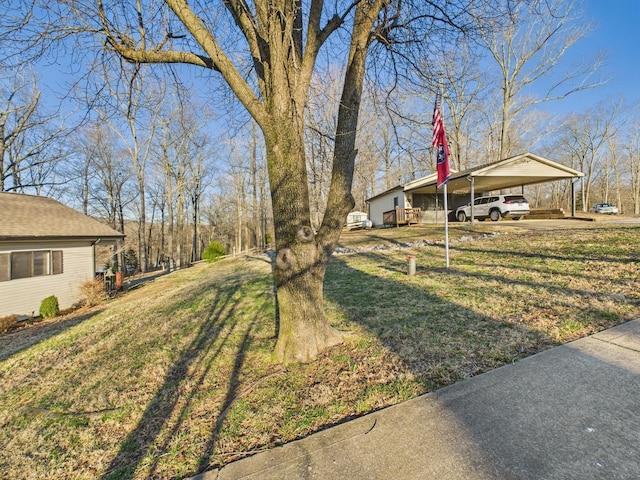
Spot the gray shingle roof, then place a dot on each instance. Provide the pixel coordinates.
(31, 217)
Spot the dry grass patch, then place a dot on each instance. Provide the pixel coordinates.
(177, 376)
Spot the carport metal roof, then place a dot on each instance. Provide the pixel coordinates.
(520, 170)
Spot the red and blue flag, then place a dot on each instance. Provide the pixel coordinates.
(442, 148)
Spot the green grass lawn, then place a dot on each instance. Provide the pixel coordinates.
(177, 376)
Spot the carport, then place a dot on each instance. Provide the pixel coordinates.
(517, 171)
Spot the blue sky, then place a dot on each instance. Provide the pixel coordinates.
(616, 32)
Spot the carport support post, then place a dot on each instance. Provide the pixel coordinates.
(473, 181)
(573, 196)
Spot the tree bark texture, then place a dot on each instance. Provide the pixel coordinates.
(299, 268)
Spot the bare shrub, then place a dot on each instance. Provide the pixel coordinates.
(7, 323)
(93, 292)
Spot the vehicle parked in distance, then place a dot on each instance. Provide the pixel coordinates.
(495, 207)
(608, 208)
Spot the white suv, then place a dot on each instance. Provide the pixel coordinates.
(605, 208)
(495, 207)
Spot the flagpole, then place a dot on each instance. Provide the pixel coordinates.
(442, 165)
(446, 227)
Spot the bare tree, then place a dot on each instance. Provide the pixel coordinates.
(174, 142)
(632, 163)
(158, 204)
(196, 182)
(133, 112)
(368, 165)
(464, 87)
(243, 187)
(529, 48)
(581, 140)
(322, 106)
(238, 172)
(457, 74)
(258, 179)
(616, 162)
(237, 209)
(29, 138)
(108, 192)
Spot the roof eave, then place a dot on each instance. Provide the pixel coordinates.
(88, 238)
(386, 192)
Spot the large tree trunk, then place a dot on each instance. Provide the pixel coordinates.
(301, 254)
(304, 331)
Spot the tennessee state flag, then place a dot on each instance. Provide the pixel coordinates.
(442, 148)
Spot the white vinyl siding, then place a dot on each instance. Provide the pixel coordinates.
(384, 203)
(23, 296)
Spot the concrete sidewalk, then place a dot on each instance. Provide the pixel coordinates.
(572, 412)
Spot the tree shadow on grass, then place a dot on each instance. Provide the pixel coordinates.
(438, 338)
(14, 342)
(166, 413)
(549, 256)
(438, 341)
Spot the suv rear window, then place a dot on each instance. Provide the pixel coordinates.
(515, 199)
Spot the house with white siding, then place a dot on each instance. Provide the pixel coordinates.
(385, 201)
(46, 248)
(420, 201)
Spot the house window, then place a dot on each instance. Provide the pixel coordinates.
(56, 262)
(30, 264)
(21, 265)
(41, 263)
(4, 267)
